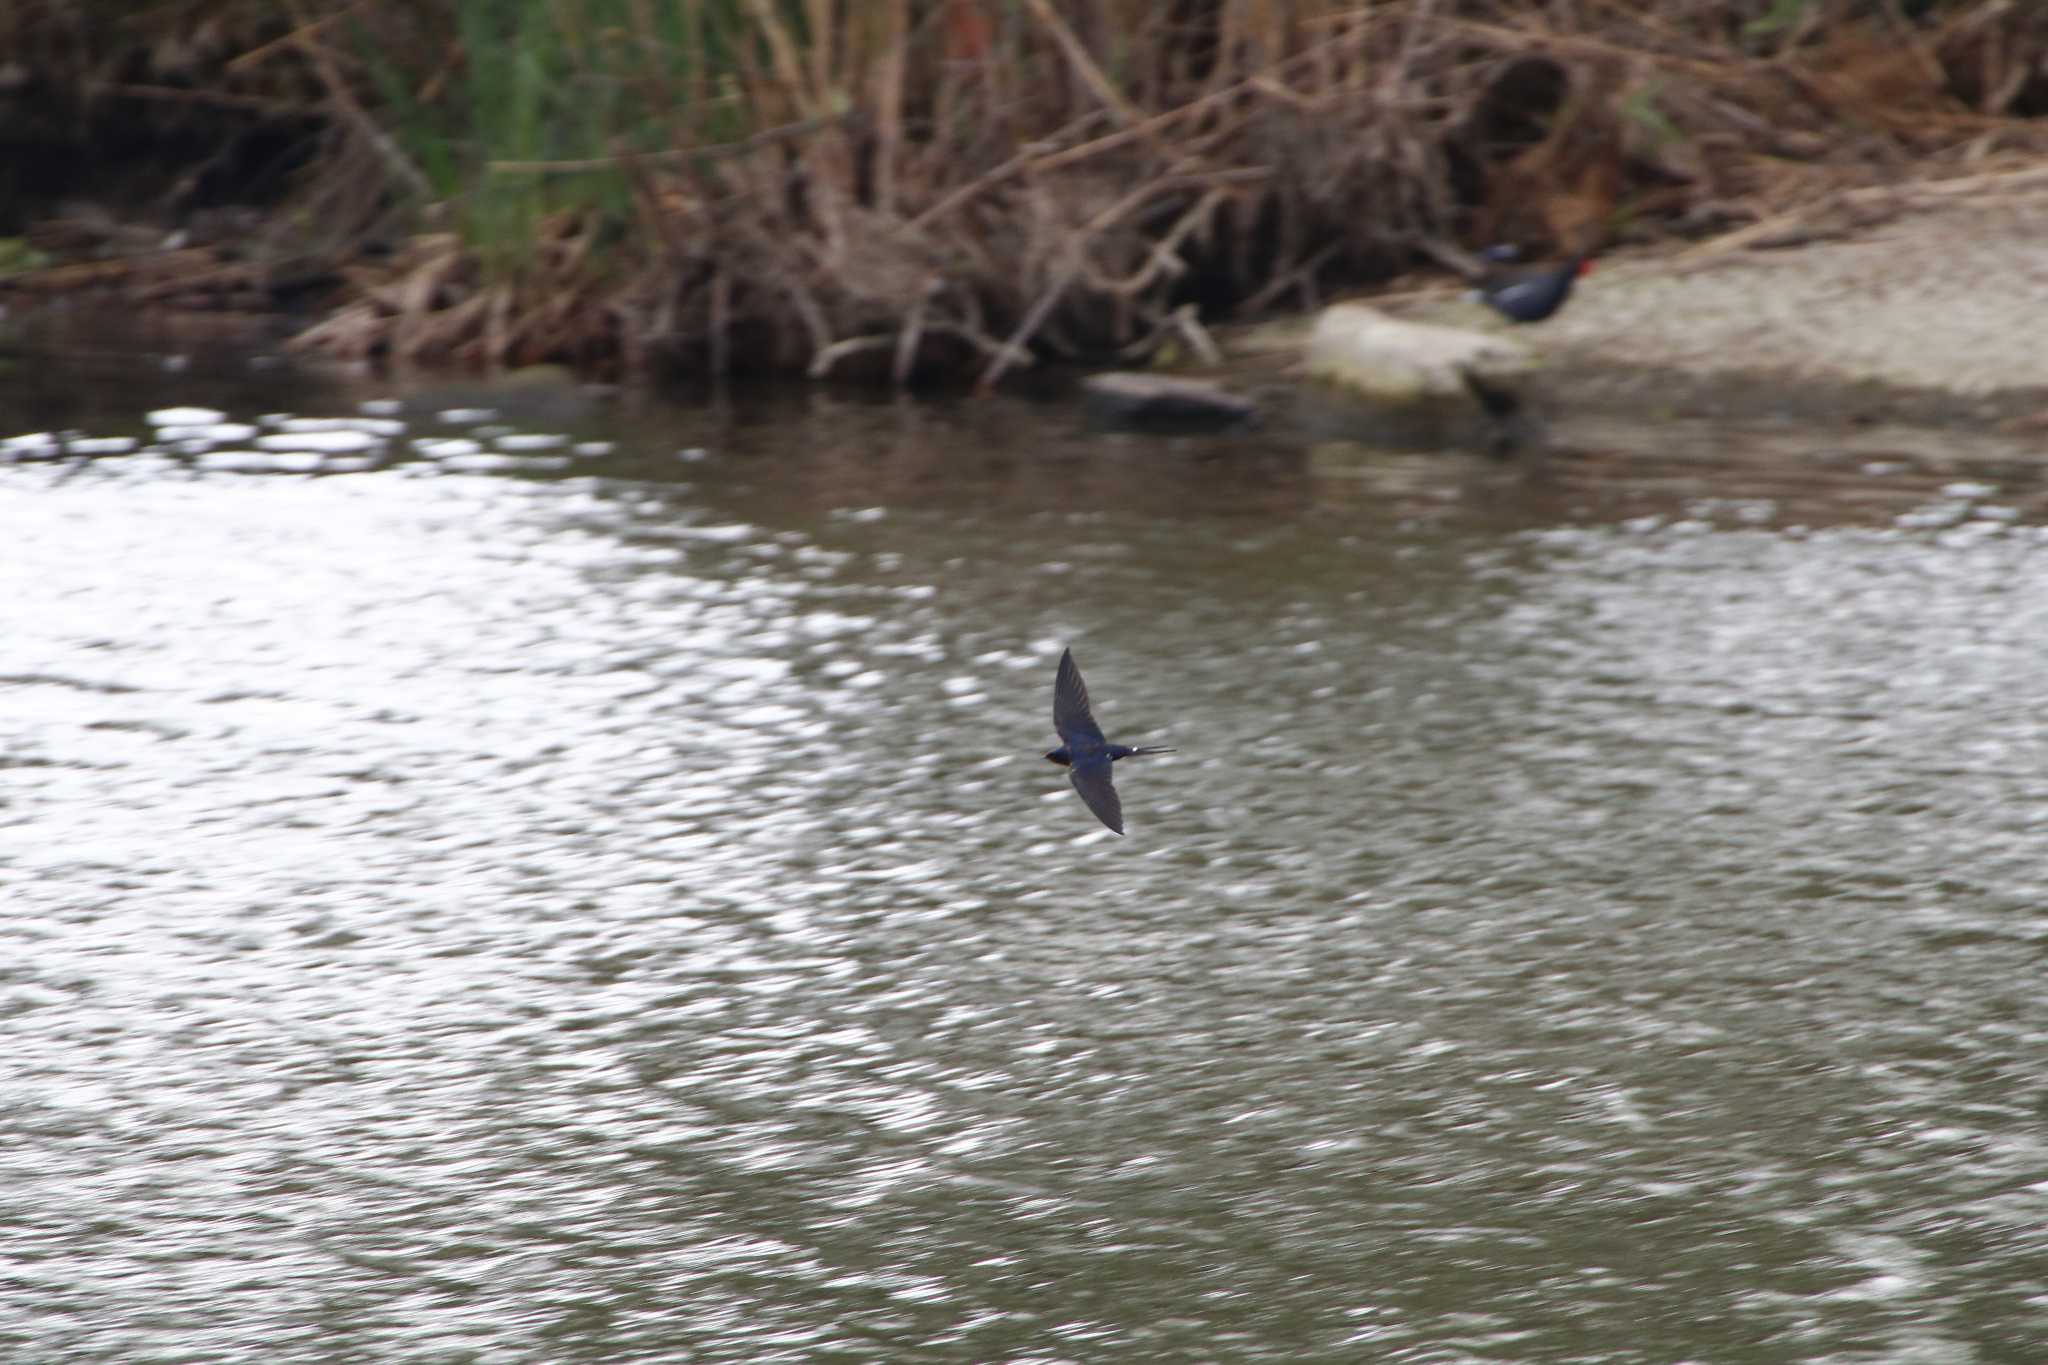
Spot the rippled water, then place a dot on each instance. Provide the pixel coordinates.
(623, 914)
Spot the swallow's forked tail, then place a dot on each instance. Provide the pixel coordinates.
(1143, 749)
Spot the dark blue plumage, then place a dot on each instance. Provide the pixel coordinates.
(1083, 750)
(1530, 295)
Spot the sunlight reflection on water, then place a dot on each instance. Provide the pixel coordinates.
(604, 915)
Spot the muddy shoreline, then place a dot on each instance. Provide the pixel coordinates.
(1925, 319)
(1921, 320)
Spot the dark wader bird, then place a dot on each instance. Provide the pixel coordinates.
(1531, 295)
(1083, 751)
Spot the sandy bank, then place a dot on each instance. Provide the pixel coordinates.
(1938, 309)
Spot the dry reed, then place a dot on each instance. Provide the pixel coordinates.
(910, 189)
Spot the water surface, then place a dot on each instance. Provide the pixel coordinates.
(617, 910)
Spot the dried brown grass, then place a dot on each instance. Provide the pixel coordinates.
(1254, 153)
(908, 189)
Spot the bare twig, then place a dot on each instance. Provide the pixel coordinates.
(1775, 229)
(783, 52)
(1160, 256)
(1187, 320)
(980, 341)
(1301, 279)
(889, 103)
(807, 308)
(767, 137)
(721, 325)
(1184, 322)
(1037, 160)
(1084, 65)
(304, 31)
(1030, 323)
(348, 109)
(216, 99)
(912, 335)
(827, 357)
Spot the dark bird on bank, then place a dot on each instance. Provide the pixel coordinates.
(1083, 751)
(1531, 295)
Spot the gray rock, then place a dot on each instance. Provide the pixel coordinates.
(1394, 382)
(1151, 402)
(1391, 360)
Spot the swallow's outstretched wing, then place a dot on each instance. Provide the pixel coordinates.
(1092, 781)
(1071, 717)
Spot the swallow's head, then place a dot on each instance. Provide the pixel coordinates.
(1061, 757)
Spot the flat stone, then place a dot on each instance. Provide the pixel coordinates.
(1125, 398)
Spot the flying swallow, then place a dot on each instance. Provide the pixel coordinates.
(1083, 751)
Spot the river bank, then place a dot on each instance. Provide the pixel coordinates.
(1919, 314)
(1929, 311)
(932, 195)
